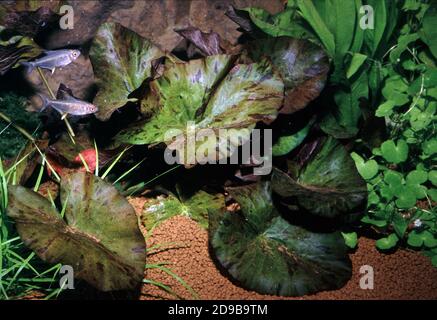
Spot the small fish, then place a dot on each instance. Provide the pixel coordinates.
(53, 59)
(68, 105)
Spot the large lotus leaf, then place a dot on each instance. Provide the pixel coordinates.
(208, 94)
(121, 61)
(196, 207)
(100, 240)
(267, 254)
(303, 65)
(326, 183)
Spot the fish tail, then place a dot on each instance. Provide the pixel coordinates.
(29, 66)
(45, 101)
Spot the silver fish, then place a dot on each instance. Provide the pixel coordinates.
(69, 105)
(53, 59)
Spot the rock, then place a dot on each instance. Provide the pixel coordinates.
(156, 20)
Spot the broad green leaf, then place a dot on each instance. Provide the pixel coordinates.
(310, 14)
(328, 184)
(351, 239)
(267, 254)
(287, 143)
(196, 207)
(358, 32)
(356, 62)
(207, 95)
(121, 60)
(373, 36)
(342, 121)
(395, 152)
(302, 65)
(387, 242)
(100, 238)
(429, 28)
(367, 169)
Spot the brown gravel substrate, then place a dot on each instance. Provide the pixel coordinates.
(401, 275)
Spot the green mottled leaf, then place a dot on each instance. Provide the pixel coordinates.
(209, 94)
(121, 60)
(302, 65)
(196, 207)
(100, 238)
(267, 254)
(328, 184)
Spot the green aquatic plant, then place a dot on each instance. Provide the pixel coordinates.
(99, 238)
(270, 255)
(11, 140)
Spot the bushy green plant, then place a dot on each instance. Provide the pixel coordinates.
(393, 68)
(14, 107)
(401, 173)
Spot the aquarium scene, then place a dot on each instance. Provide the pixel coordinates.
(184, 151)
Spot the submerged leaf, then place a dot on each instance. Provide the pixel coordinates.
(100, 238)
(326, 184)
(122, 61)
(209, 94)
(195, 207)
(271, 256)
(302, 65)
(207, 43)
